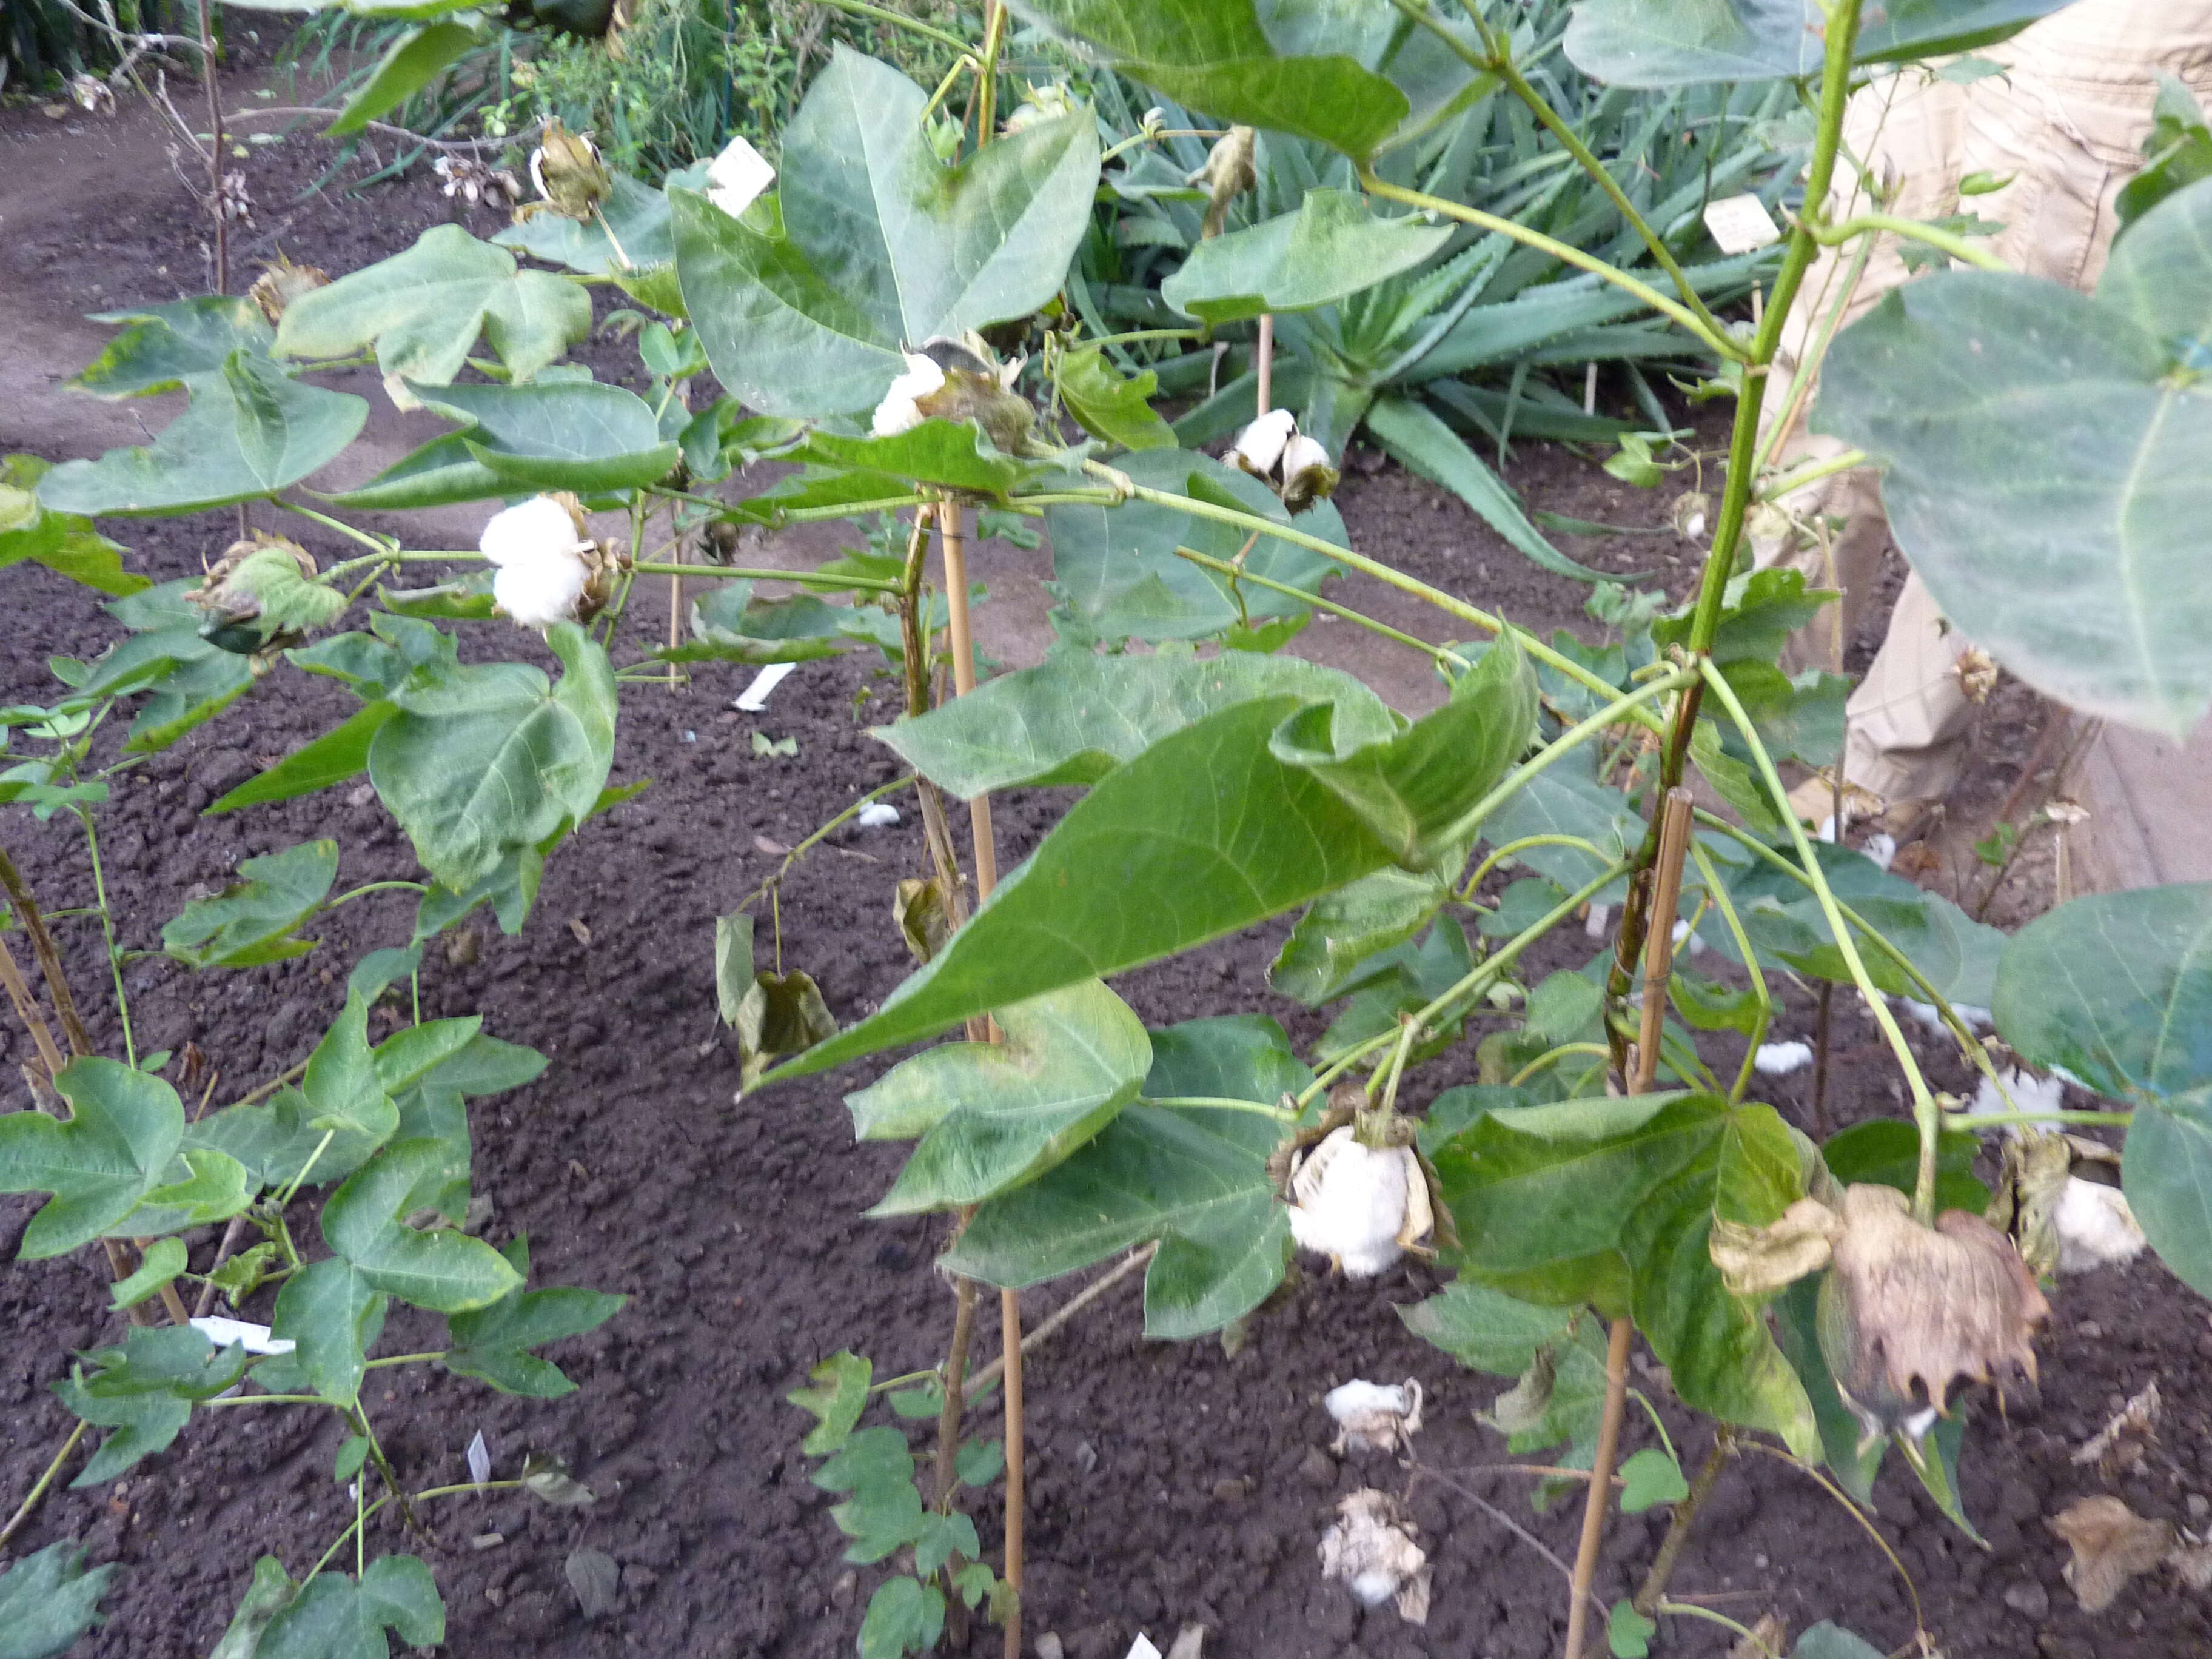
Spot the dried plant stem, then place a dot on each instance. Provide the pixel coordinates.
(1263, 362)
(1600, 1501)
(1659, 959)
(215, 151)
(955, 1391)
(23, 1511)
(1686, 1515)
(675, 618)
(27, 1010)
(50, 958)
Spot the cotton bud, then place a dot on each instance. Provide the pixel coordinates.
(568, 174)
(1307, 476)
(1043, 104)
(1692, 510)
(1371, 1551)
(282, 282)
(1259, 447)
(737, 177)
(1362, 1207)
(1374, 1416)
(1227, 175)
(549, 570)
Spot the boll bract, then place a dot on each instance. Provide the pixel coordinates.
(737, 177)
(568, 174)
(548, 570)
(1359, 1205)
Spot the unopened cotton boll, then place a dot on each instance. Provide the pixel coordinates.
(898, 411)
(736, 178)
(2095, 1227)
(1259, 447)
(1780, 1058)
(1359, 1205)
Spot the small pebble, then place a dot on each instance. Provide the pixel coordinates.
(2027, 1598)
(1049, 1646)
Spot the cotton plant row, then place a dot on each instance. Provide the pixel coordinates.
(899, 311)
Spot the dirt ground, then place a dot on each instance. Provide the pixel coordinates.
(1168, 1484)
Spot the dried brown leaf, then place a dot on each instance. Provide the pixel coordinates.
(1757, 1261)
(2111, 1544)
(1764, 1640)
(2119, 1445)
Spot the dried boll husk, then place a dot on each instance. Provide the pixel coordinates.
(971, 385)
(283, 280)
(568, 174)
(2111, 1544)
(1371, 1549)
(1228, 174)
(1907, 1310)
(261, 596)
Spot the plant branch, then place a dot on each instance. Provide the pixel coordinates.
(50, 957)
(1222, 567)
(1719, 895)
(23, 1511)
(899, 20)
(1913, 230)
(1811, 473)
(1599, 1503)
(27, 1010)
(1684, 1516)
(1076, 1304)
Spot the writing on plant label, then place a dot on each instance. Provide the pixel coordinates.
(1740, 224)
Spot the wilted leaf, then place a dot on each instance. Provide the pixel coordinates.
(596, 1580)
(2111, 1544)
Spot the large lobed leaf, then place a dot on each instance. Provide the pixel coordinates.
(122, 1134)
(1329, 249)
(2115, 991)
(65, 543)
(47, 1599)
(873, 242)
(2044, 455)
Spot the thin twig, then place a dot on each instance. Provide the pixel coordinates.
(215, 151)
(1076, 1305)
(1422, 1471)
(50, 958)
(26, 1009)
(23, 1511)
(1599, 1503)
(522, 136)
(1684, 1516)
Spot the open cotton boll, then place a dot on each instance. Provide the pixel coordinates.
(736, 178)
(2030, 1093)
(1780, 1058)
(538, 528)
(898, 411)
(1359, 1205)
(2095, 1227)
(1374, 1416)
(1371, 1550)
(1259, 447)
(539, 592)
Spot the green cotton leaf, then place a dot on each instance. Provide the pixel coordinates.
(1110, 405)
(1649, 1478)
(249, 432)
(1330, 950)
(493, 1344)
(1206, 832)
(511, 888)
(144, 1391)
(1844, 1445)
(2115, 990)
(1196, 1180)
(1355, 79)
(444, 1270)
(1612, 1201)
(64, 543)
(1567, 799)
(840, 1394)
(980, 1462)
(123, 1131)
(579, 435)
(2179, 153)
(321, 1131)
(332, 1617)
(920, 1403)
(904, 1616)
(992, 1116)
(204, 1186)
(873, 242)
(729, 625)
(417, 1052)
(1116, 568)
(483, 760)
(162, 346)
(637, 214)
(1328, 250)
(333, 1314)
(47, 1599)
(339, 755)
(1628, 1633)
(411, 62)
(733, 963)
(1759, 610)
(1665, 43)
(938, 452)
(1800, 718)
(1884, 1151)
(1736, 781)
(1416, 436)
(253, 921)
(1485, 1329)
(2042, 452)
(164, 1260)
(1828, 1641)
(1074, 720)
(1417, 791)
(423, 309)
(265, 1597)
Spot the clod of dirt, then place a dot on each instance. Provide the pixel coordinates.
(1370, 1550)
(1374, 1416)
(2111, 1544)
(2119, 1446)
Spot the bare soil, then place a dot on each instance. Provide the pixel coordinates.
(1168, 1484)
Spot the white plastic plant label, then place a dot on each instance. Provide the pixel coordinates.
(255, 1338)
(1740, 224)
(754, 698)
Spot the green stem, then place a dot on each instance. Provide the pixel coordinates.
(406, 1358)
(1382, 572)
(23, 1511)
(1713, 338)
(1494, 965)
(376, 887)
(1719, 895)
(1808, 364)
(1999, 1119)
(266, 1400)
(1441, 653)
(1927, 1116)
(383, 545)
(1580, 731)
(1748, 1637)
(1913, 230)
(1775, 489)
(1499, 62)
(1223, 1103)
(1499, 855)
(314, 1158)
(1544, 1062)
(1136, 336)
(797, 515)
(897, 19)
(107, 932)
(800, 851)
